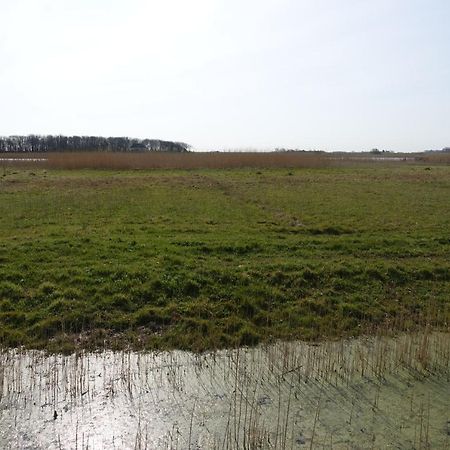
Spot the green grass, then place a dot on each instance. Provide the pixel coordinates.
(212, 258)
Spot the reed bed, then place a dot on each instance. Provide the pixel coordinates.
(193, 160)
(435, 158)
(370, 392)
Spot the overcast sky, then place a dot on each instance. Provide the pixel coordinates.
(222, 74)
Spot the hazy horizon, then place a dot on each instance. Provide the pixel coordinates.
(328, 75)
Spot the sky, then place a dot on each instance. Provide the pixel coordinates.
(345, 75)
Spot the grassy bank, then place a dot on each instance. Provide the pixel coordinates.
(210, 258)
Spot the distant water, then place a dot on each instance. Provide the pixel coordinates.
(22, 159)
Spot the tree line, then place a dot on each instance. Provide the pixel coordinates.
(51, 143)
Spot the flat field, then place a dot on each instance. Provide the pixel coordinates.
(208, 258)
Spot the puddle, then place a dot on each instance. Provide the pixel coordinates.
(365, 393)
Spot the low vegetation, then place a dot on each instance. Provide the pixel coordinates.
(206, 258)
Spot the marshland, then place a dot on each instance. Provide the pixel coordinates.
(224, 225)
(236, 300)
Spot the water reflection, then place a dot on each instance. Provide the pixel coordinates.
(368, 392)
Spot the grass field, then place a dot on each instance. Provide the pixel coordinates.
(208, 258)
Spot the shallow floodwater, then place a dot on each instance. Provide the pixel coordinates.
(366, 393)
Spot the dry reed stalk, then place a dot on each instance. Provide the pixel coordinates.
(316, 418)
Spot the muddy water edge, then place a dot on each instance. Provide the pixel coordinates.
(377, 392)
